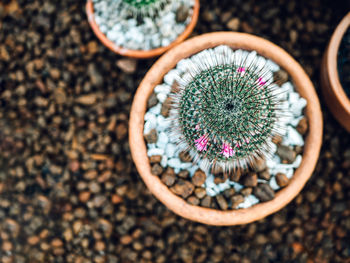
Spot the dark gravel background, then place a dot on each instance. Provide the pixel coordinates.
(68, 189)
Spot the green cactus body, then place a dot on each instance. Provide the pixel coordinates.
(226, 114)
(140, 3)
(143, 8)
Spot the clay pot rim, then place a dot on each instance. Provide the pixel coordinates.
(141, 54)
(155, 76)
(332, 63)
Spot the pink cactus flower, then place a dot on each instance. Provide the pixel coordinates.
(246, 140)
(261, 81)
(201, 143)
(227, 150)
(241, 69)
(197, 127)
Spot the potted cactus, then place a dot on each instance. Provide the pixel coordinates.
(142, 29)
(335, 73)
(221, 110)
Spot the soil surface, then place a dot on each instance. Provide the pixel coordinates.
(69, 191)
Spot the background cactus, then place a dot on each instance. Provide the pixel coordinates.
(225, 111)
(141, 8)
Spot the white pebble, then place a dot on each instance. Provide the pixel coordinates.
(161, 97)
(162, 88)
(174, 162)
(155, 151)
(162, 140)
(170, 150)
(273, 183)
(272, 65)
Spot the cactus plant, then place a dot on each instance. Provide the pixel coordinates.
(142, 8)
(225, 110)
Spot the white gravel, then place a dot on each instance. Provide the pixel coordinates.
(144, 32)
(294, 106)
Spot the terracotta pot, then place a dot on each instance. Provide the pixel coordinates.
(139, 53)
(337, 101)
(155, 76)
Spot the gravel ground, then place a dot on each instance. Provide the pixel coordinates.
(69, 190)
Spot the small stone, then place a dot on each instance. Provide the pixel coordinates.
(233, 24)
(33, 240)
(127, 65)
(182, 13)
(156, 169)
(259, 165)
(282, 180)
(246, 191)
(166, 106)
(200, 192)
(183, 188)
(55, 73)
(229, 192)
(222, 202)
(84, 196)
(206, 201)
(152, 100)
(250, 180)
(286, 153)
(68, 234)
(100, 246)
(185, 156)
(280, 77)
(264, 192)
(193, 200)
(168, 179)
(121, 131)
(236, 175)
(183, 174)
(155, 159)
(236, 200)
(116, 199)
(89, 99)
(199, 177)
(57, 242)
(92, 47)
(302, 126)
(265, 175)
(152, 136)
(126, 240)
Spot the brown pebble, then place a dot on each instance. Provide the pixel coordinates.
(183, 188)
(127, 65)
(155, 159)
(233, 24)
(264, 192)
(286, 153)
(183, 174)
(193, 200)
(280, 77)
(282, 180)
(89, 99)
(200, 192)
(90, 175)
(236, 175)
(302, 126)
(182, 13)
(84, 196)
(126, 240)
(206, 201)
(121, 131)
(236, 200)
(151, 137)
(265, 175)
(198, 179)
(250, 180)
(68, 234)
(229, 192)
(7, 246)
(116, 199)
(56, 242)
(259, 165)
(185, 156)
(55, 73)
(156, 169)
(100, 245)
(92, 47)
(33, 240)
(246, 191)
(152, 100)
(166, 106)
(168, 179)
(77, 226)
(222, 202)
